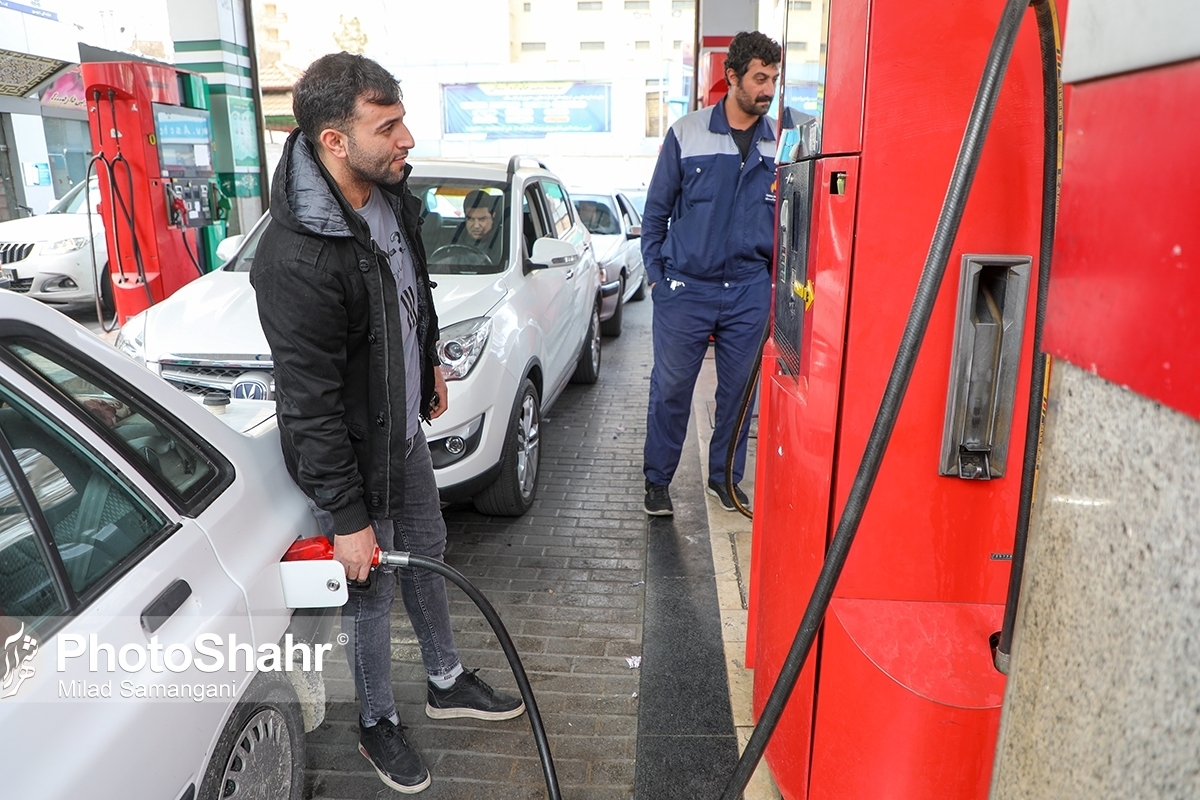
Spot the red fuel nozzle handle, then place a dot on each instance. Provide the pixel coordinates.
(320, 548)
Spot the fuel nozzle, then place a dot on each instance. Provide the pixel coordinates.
(320, 548)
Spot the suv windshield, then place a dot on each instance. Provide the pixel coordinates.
(466, 224)
(597, 214)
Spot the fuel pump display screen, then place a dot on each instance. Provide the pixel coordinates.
(184, 141)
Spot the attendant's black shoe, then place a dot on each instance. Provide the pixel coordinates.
(658, 500)
(398, 764)
(719, 491)
(471, 697)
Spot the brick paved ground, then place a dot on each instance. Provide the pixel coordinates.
(568, 579)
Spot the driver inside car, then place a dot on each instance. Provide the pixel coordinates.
(479, 228)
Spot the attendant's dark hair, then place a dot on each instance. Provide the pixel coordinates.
(747, 46)
(480, 199)
(326, 95)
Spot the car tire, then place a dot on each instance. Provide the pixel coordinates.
(640, 294)
(513, 492)
(260, 753)
(107, 303)
(588, 369)
(612, 325)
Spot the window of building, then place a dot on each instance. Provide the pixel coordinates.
(528, 7)
(822, 49)
(799, 5)
(656, 115)
(797, 46)
(677, 44)
(591, 45)
(533, 47)
(637, 5)
(683, 5)
(641, 44)
(590, 5)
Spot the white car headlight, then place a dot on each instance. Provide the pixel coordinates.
(131, 340)
(61, 246)
(461, 345)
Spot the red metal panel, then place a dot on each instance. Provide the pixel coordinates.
(925, 537)
(1125, 281)
(909, 701)
(845, 77)
(795, 461)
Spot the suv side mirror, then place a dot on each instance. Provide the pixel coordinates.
(229, 247)
(548, 252)
(635, 232)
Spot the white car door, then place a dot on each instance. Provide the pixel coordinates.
(582, 275)
(552, 291)
(105, 586)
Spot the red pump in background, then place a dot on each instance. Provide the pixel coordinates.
(900, 696)
(152, 137)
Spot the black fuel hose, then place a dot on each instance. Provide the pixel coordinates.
(400, 559)
(1052, 101)
(105, 325)
(910, 344)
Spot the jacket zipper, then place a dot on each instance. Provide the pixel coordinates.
(387, 382)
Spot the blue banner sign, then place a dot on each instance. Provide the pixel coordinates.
(34, 9)
(525, 110)
(180, 128)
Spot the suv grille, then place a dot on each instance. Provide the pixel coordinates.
(203, 377)
(12, 252)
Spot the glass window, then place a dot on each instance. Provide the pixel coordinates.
(560, 212)
(597, 214)
(179, 467)
(533, 47)
(244, 259)
(641, 44)
(591, 45)
(27, 590)
(534, 225)
(589, 5)
(637, 5)
(96, 520)
(75, 201)
(465, 225)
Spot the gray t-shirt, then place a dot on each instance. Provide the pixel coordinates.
(391, 240)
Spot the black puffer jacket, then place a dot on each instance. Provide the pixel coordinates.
(328, 305)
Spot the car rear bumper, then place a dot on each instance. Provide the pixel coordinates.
(610, 296)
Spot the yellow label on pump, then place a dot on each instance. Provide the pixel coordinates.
(151, 138)
(805, 292)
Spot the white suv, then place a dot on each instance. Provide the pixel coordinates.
(517, 301)
(140, 546)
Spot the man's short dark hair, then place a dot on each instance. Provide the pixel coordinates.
(477, 198)
(747, 46)
(327, 92)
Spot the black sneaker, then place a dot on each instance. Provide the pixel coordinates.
(658, 500)
(471, 697)
(398, 764)
(719, 491)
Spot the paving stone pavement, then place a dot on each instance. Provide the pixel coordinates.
(568, 580)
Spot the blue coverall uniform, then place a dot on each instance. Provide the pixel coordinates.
(711, 274)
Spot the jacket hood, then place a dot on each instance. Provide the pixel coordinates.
(305, 198)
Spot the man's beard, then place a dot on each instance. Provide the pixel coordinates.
(379, 171)
(750, 105)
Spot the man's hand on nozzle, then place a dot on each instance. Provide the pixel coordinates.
(355, 551)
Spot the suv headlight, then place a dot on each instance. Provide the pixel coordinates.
(57, 248)
(461, 345)
(132, 338)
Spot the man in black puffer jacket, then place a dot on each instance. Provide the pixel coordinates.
(344, 299)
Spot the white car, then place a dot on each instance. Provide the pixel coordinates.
(616, 229)
(518, 308)
(140, 546)
(49, 257)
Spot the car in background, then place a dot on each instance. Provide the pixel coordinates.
(49, 257)
(133, 519)
(616, 229)
(519, 311)
(638, 198)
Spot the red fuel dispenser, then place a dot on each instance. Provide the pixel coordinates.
(900, 697)
(151, 135)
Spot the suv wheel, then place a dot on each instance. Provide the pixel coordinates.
(588, 369)
(513, 492)
(612, 325)
(261, 751)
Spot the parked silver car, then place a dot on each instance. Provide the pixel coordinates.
(616, 229)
